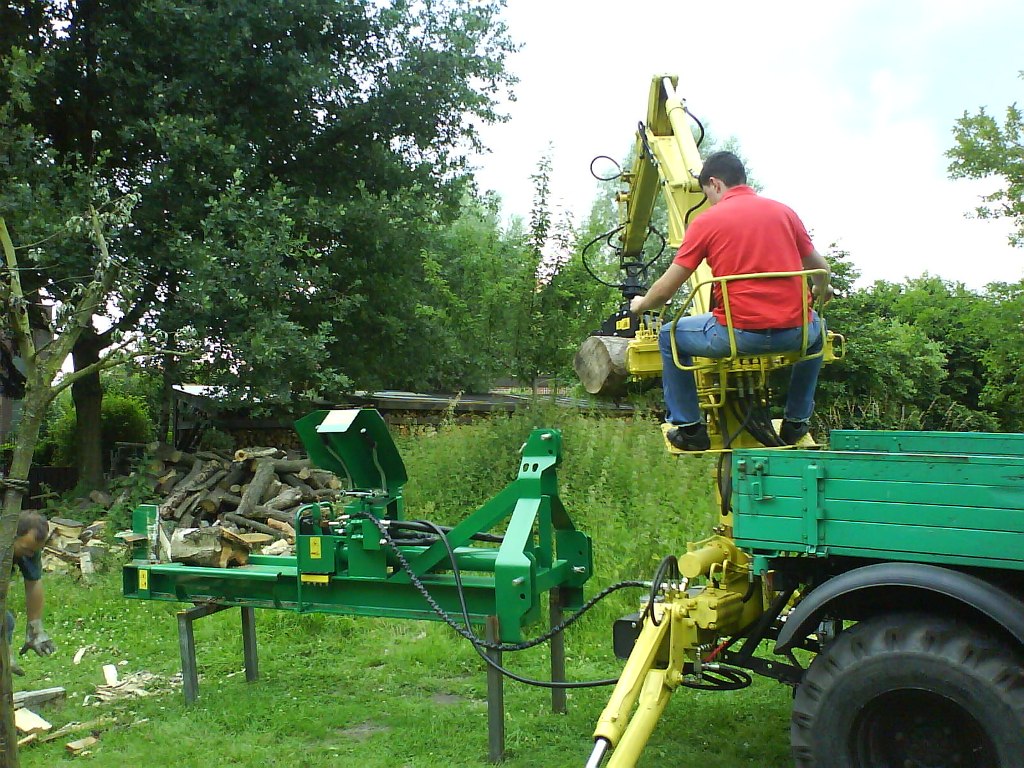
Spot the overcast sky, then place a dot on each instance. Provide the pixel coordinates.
(844, 111)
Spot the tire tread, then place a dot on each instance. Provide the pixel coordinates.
(990, 660)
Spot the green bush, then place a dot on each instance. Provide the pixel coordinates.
(125, 420)
(41, 456)
(44, 452)
(139, 384)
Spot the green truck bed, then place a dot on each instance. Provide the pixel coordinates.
(937, 497)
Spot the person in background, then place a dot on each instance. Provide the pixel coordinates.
(33, 531)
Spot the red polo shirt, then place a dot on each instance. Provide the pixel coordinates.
(746, 233)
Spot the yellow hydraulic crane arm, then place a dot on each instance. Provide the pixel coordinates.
(667, 159)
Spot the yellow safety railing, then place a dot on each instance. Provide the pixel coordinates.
(724, 284)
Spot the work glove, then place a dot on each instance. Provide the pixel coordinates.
(37, 639)
(15, 666)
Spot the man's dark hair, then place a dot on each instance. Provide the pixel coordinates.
(35, 522)
(725, 167)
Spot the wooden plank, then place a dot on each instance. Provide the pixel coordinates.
(64, 730)
(1010, 522)
(884, 541)
(903, 490)
(32, 698)
(27, 721)
(74, 747)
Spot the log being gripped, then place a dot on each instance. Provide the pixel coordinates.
(600, 364)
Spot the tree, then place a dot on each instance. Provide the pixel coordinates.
(300, 144)
(474, 283)
(913, 358)
(986, 149)
(43, 361)
(1003, 358)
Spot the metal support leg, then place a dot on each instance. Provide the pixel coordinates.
(187, 647)
(495, 698)
(252, 662)
(557, 653)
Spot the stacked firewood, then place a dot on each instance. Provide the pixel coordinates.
(216, 508)
(256, 489)
(73, 545)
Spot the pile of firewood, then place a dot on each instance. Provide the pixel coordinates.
(249, 489)
(216, 508)
(74, 545)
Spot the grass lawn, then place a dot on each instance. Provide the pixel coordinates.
(365, 692)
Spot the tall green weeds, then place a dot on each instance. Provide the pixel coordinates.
(617, 482)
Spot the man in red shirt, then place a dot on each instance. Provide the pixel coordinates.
(742, 233)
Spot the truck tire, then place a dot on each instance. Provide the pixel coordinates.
(911, 690)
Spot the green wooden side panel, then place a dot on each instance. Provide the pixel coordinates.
(991, 443)
(880, 502)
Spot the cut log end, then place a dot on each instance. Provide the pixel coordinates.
(600, 364)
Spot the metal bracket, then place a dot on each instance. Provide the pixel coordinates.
(813, 486)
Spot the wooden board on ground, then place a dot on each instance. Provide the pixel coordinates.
(74, 747)
(33, 698)
(27, 721)
(110, 674)
(64, 730)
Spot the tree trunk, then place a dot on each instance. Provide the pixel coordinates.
(33, 408)
(87, 393)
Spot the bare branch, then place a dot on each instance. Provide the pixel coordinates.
(112, 361)
(95, 294)
(15, 300)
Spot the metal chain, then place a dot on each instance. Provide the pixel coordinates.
(468, 633)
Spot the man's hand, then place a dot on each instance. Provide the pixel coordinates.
(823, 294)
(37, 639)
(637, 305)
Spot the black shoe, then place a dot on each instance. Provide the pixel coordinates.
(690, 438)
(792, 431)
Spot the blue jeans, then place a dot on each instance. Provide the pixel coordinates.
(9, 627)
(703, 336)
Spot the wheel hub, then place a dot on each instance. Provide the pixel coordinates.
(919, 729)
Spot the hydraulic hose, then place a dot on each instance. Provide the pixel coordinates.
(480, 645)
